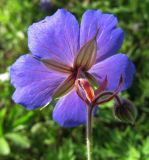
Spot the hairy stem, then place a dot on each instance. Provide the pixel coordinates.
(89, 132)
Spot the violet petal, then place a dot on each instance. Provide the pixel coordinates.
(109, 39)
(34, 82)
(56, 37)
(113, 68)
(70, 111)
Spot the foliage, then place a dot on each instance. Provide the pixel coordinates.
(32, 135)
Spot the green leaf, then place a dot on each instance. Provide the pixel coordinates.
(145, 148)
(4, 146)
(2, 114)
(19, 139)
(23, 119)
(133, 154)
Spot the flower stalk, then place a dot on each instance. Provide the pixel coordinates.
(89, 132)
(93, 98)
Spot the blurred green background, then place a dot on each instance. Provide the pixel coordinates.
(33, 135)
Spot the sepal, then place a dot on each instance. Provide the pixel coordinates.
(86, 57)
(66, 86)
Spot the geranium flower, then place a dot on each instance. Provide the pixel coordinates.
(61, 52)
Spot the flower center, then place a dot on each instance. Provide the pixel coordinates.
(84, 60)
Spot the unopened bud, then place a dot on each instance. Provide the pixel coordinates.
(87, 89)
(125, 111)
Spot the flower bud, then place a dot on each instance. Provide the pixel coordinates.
(87, 89)
(125, 111)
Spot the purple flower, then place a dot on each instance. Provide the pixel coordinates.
(45, 5)
(61, 52)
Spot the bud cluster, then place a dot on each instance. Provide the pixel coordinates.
(124, 109)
